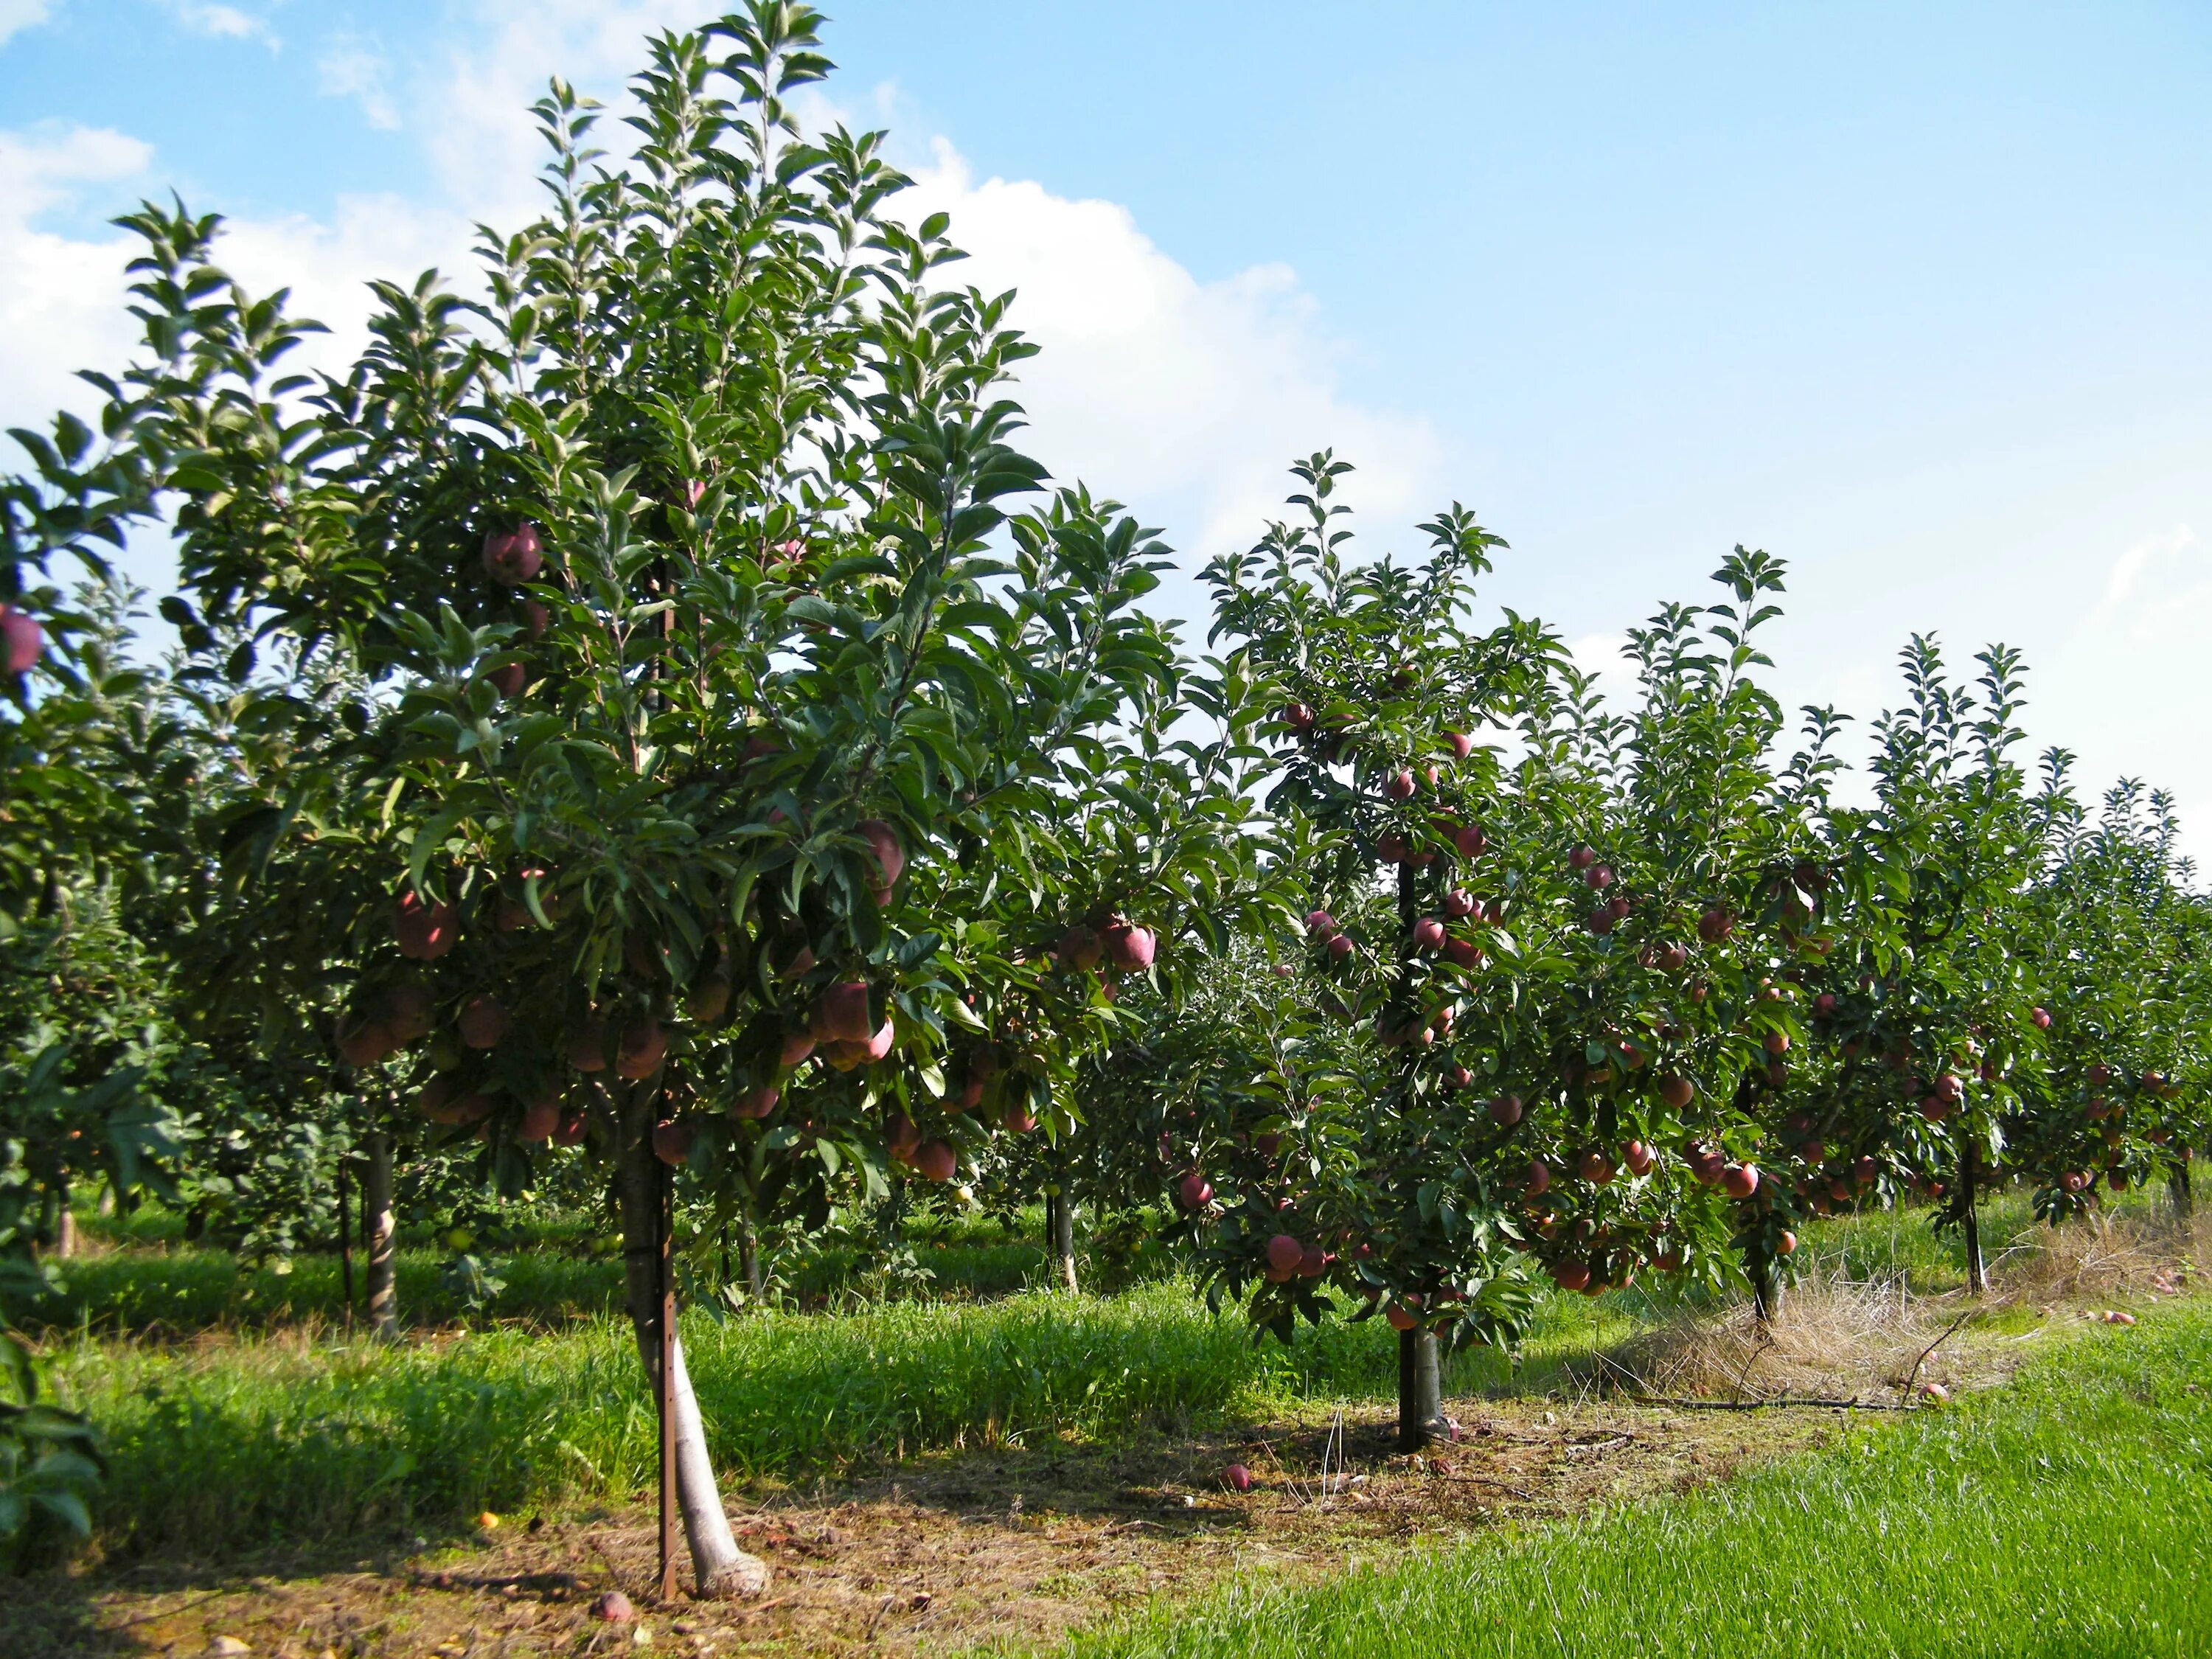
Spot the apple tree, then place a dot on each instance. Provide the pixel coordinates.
(721, 725)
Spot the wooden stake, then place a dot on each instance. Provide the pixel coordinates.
(665, 1227)
(345, 1244)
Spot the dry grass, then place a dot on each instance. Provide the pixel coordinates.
(1870, 1339)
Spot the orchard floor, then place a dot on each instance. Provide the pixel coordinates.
(1011, 1546)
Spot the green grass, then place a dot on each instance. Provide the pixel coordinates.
(259, 1440)
(2069, 1514)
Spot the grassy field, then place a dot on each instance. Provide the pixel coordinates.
(1070, 1447)
(232, 1444)
(2069, 1514)
(272, 1425)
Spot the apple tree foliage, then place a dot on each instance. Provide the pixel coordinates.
(682, 747)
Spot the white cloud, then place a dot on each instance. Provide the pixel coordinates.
(61, 297)
(221, 22)
(2128, 570)
(352, 67)
(1187, 399)
(16, 15)
(1184, 398)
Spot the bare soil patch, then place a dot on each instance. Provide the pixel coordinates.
(1008, 1546)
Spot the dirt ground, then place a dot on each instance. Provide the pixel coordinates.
(1014, 1546)
(1008, 1547)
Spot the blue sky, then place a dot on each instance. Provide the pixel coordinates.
(1914, 296)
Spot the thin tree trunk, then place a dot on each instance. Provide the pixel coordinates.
(719, 1566)
(1059, 1210)
(1765, 1290)
(64, 1225)
(1421, 1390)
(2176, 1186)
(345, 1245)
(381, 1288)
(1977, 1274)
(749, 1258)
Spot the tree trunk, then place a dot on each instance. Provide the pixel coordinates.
(2176, 1186)
(719, 1566)
(381, 1286)
(1976, 1275)
(345, 1244)
(1765, 1290)
(64, 1225)
(749, 1258)
(1421, 1390)
(1060, 1213)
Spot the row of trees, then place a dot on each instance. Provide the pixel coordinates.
(651, 717)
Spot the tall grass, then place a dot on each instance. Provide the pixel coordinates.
(267, 1439)
(2068, 1515)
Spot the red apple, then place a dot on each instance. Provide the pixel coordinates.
(1399, 786)
(1581, 858)
(1238, 1478)
(796, 1046)
(1539, 1178)
(1130, 946)
(901, 1137)
(1571, 1275)
(1428, 934)
(755, 1103)
(2040, 1017)
(1715, 925)
(709, 999)
(1195, 1191)
(513, 558)
(484, 1021)
(1458, 904)
(1400, 1317)
(536, 619)
(1639, 1156)
(1321, 923)
(1463, 951)
(364, 1042)
(1284, 1252)
(538, 1120)
(891, 857)
(936, 1160)
(1777, 1043)
(970, 1095)
(1340, 946)
(1458, 1077)
(1390, 847)
(1824, 1006)
(1314, 1262)
(571, 1132)
(1080, 948)
(1469, 840)
(1601, 921)
(408, 1013)
(1598, 877)
(1740, 1180)
(426, 931)
(1505, 1111)
(671, 1141)
(1461, 744)
(1786, 1244)
(1677, 1092)
(509, 679)
(23, 642)
(587, 1046)
(643, 1046)
(1016, 1120)
(1596, 1168)
(842, 1015)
